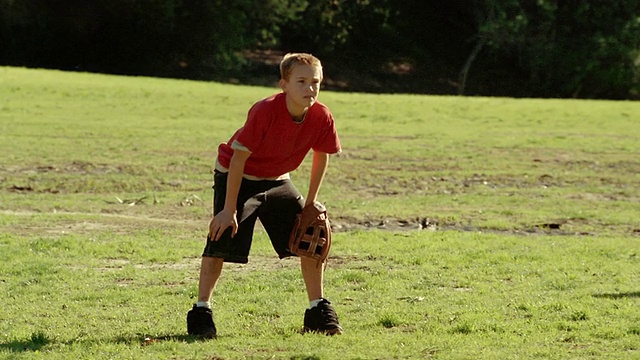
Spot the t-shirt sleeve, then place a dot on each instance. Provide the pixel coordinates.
(328, 140)
(237, 145)
(252, 133)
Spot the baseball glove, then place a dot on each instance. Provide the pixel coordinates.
(311, 234)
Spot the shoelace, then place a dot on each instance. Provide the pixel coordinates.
(328, 314)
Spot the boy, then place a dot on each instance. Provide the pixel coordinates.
(251, 181)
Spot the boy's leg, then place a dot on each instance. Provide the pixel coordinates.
(210, 270)
(200, 318)
(278, 215)
(313, 277)
(321, 317)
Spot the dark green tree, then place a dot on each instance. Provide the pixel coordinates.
(565, 48)
(184, 38)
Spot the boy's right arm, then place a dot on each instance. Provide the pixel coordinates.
(227, 217)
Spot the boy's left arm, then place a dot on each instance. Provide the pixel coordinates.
(318, 169)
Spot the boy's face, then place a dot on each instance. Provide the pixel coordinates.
(302, 88)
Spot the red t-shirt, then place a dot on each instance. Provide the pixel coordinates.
(278, 145)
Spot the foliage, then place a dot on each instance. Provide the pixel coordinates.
(182, 38)
(567, 49)
(342, 26)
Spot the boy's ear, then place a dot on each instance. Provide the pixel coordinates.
(282, 83)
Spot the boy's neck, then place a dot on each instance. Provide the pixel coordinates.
(298, 119)
(295, 111)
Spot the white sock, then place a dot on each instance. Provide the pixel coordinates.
(204, 304)
(314, 303)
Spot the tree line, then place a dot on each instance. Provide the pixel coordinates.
(533, 48)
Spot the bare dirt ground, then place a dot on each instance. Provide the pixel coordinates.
(125, 224)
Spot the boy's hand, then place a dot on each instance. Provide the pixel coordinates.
(220, 222)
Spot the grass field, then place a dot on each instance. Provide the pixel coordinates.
(466, 228)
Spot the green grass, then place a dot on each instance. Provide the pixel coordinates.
(105, 197)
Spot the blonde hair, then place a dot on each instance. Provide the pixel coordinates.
(291, 60)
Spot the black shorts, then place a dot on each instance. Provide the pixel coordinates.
(275, 202)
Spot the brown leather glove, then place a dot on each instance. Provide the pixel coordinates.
(311, 234)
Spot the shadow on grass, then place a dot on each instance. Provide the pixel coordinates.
(35, 343)
(620, 295)
(148, 339)
(38, 340)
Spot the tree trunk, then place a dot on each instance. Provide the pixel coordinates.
(462, 79)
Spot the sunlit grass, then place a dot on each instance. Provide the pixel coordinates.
(529, 210)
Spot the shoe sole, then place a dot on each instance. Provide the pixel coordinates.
(208, 335)
(329, 332)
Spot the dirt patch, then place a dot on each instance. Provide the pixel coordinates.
(256, 263)
(74, 168)
(87, 223)
(342, 224)
(126, 224)
(430, 224)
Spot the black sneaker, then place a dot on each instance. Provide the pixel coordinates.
(322, 319)
(200, 322)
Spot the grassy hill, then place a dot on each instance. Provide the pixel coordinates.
(466, 227)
